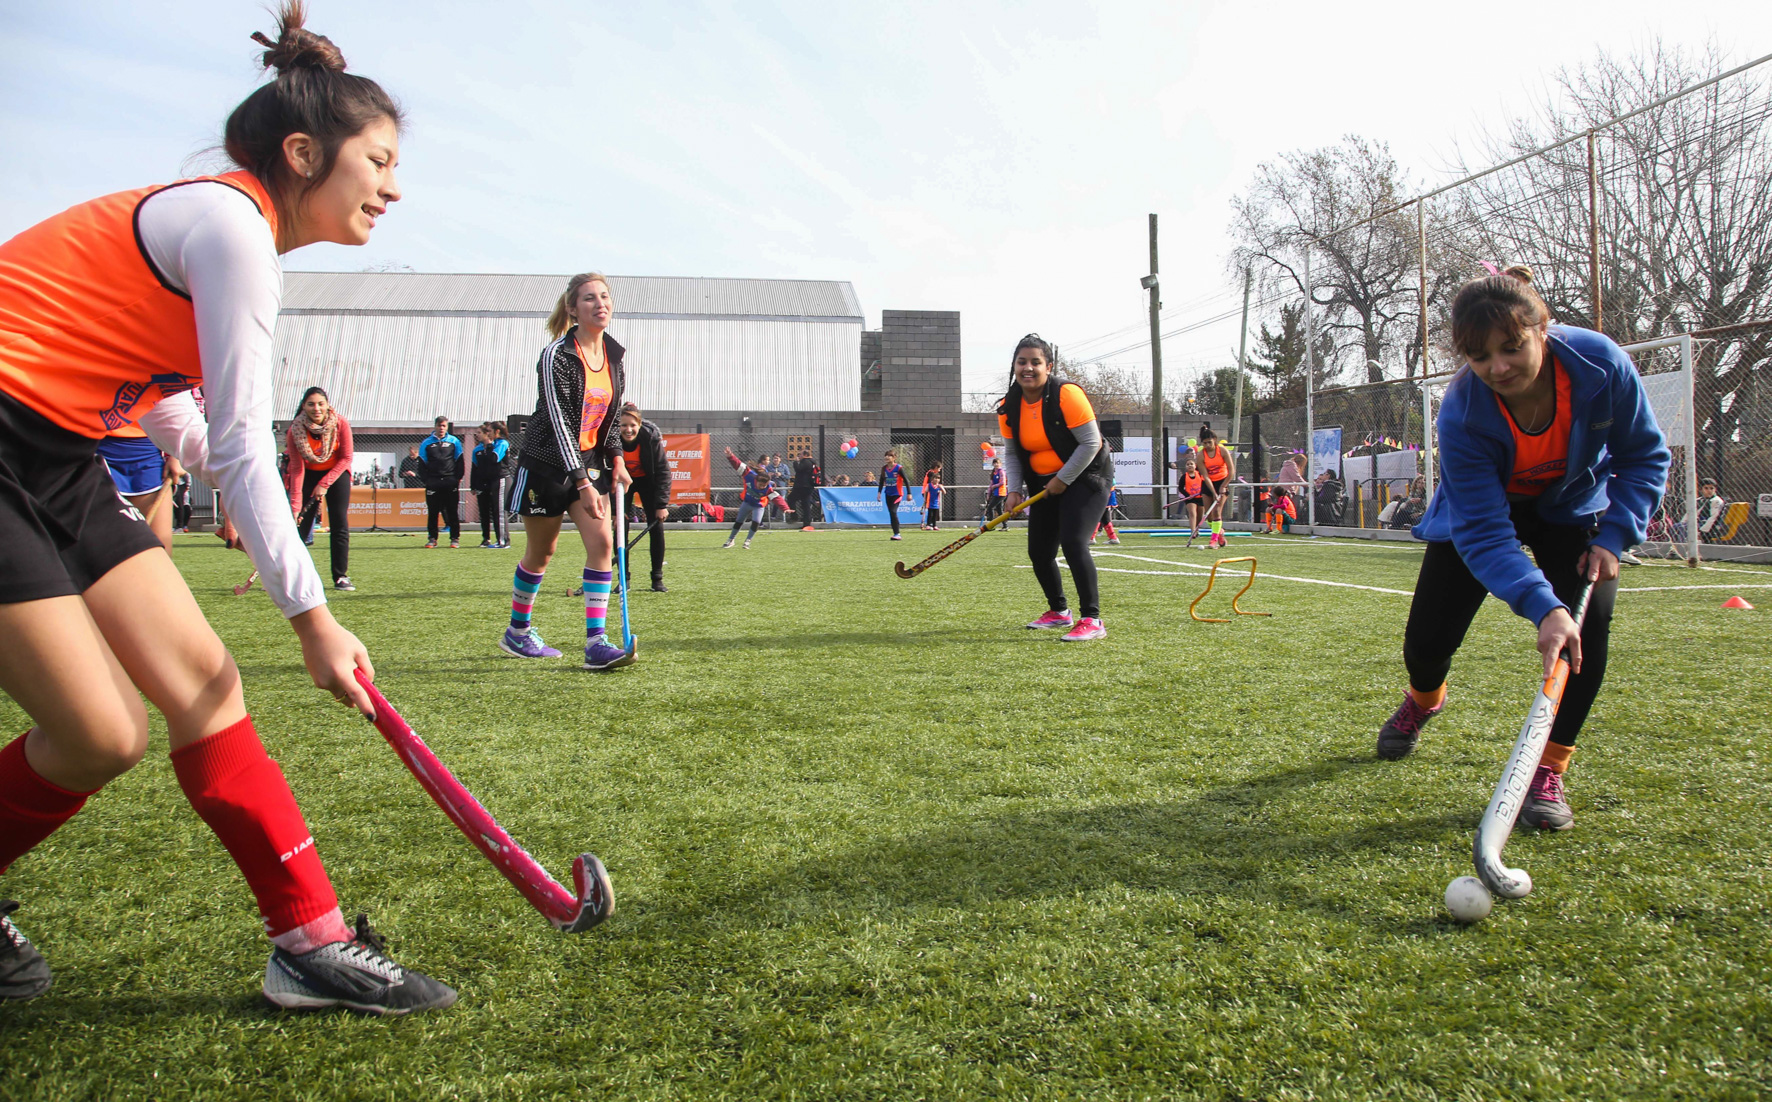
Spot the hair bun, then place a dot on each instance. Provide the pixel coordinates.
(296, 46)
(1520, 272)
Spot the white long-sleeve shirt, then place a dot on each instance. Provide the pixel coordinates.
(210, 241)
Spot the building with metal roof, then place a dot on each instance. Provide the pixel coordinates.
(398, 348)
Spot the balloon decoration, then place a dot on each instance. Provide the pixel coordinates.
(851, 448)
(989, 451)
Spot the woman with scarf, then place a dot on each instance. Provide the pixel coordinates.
(318, 446)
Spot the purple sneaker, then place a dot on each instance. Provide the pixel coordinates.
(601, 655)
(1547, 805)
(527, 645)
(1402, 731)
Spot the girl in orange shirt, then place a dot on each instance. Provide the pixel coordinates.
(1055, 445)
(111, 313)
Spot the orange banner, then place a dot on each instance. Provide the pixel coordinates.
(387, 508)
(691, 476)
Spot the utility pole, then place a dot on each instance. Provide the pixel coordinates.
(1310, 378)
(1242, 361)
(1159, 462)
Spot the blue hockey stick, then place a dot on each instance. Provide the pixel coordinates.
(628, 642)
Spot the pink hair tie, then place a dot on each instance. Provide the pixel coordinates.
(1493, 270)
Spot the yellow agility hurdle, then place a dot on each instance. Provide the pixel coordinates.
(1213, 577)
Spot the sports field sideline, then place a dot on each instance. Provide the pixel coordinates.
(859, 853)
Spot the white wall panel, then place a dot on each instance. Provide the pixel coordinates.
(393, 368)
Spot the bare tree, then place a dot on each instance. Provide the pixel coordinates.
(1339, 202)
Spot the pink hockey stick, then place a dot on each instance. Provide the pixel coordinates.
(595, 900)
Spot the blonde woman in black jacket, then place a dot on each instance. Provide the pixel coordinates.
(571, 465)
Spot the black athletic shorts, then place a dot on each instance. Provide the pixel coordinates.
(63, 525)
(549, 491)
(1197, 499)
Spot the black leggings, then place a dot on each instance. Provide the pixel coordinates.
(1448, 595)
(892, 511)
(1067, 521)
(338, 518)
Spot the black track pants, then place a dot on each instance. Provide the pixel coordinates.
(892, 511)
(1067, 521)
(338, 518)
(494, 525)
(1448, 595)
(444, 504)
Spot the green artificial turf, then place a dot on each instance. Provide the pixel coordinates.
(871, 839)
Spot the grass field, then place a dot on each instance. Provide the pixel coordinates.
(871, 839)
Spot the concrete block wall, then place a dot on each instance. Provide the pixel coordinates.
(920, 365)
(871, 397)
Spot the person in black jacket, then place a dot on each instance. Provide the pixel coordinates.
(487, 479)
(805, 491)
(412, 469)
(571, 463)
(440, 466)
(1055, 445)
(643, 453)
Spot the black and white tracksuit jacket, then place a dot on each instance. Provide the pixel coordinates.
(551, 441)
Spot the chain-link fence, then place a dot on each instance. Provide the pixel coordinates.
(1642, 205)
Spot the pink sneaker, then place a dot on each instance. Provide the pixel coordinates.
(1053, 620)
(1089, 627)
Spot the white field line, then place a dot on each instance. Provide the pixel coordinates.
(1202, 571)
(1370, 545)
(1676, 588)
(1701, 566)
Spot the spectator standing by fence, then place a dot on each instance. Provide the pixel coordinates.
(805, 491)
(486, 477)
(412, 469)
(317, 450)
(1331, 499)
(440, 467)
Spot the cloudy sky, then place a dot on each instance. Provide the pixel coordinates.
(993, 158)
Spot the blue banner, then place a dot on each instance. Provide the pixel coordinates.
(859, 505)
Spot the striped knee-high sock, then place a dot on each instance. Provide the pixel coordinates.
(523, 591)
(597, 584)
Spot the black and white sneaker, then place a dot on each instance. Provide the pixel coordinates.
(24, 974)
(355, 974)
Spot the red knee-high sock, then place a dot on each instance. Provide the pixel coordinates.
(240, 792)
(30, 807)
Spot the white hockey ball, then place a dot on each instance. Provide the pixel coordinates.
(1468, 899)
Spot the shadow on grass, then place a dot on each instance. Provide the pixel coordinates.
(1227, 841)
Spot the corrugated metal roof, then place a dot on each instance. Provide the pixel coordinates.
(534, 295)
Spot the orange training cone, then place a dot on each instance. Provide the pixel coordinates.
(1736, 602)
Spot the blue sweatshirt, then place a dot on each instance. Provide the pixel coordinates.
(1617, 471)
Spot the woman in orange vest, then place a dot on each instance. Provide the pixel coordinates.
(111, 313)
(1055, 445)
(1220, 468)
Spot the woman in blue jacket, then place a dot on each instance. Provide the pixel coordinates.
(1547, 440)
